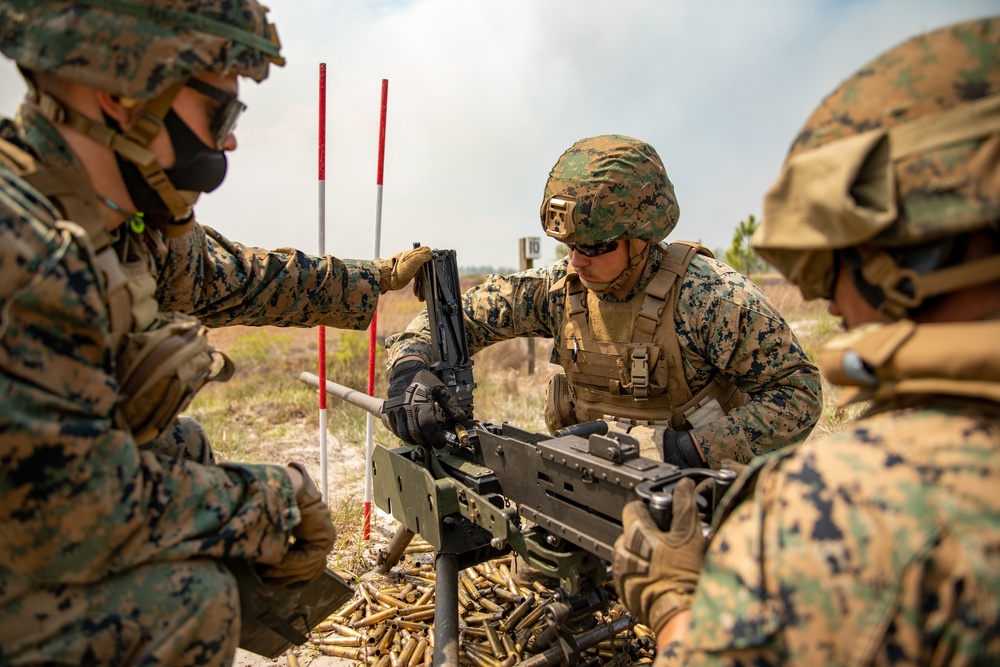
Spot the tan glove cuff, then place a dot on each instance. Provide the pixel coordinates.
(666, 606)
(384, 274)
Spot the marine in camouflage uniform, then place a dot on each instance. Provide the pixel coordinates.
(112, 554)
(880, 544)
(729, 333)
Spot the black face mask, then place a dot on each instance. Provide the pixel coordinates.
(197, 167)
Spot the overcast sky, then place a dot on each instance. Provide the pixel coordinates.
(484, 96)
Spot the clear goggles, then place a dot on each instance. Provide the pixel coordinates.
(224, 121)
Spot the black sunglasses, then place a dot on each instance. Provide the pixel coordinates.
(595, 249)
(230, 108)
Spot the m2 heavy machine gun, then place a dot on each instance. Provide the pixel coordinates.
(555, 500)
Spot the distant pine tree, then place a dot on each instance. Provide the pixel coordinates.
(740, 255)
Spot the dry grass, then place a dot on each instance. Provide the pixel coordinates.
(266, 414)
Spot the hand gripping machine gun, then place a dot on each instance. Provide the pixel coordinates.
(554, 500)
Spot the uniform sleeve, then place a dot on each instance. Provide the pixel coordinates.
(78, 501)
(726, 324)
(498, 309)
(224, 283)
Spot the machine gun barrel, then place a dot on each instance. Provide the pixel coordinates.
(367, 403)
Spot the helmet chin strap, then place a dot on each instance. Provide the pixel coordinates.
(133, 146)
(635, 258)
(899, 291)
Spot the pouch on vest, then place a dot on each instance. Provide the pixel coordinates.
(559, 409)
(161, 371)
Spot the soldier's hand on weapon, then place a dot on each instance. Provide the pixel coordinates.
(678, 448)
(418, 404)
(397, 271)
(314, 534)
(656, 572)
(681, 449)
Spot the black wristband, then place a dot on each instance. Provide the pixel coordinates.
(678, 449)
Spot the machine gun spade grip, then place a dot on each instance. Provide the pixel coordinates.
(659, 495)
(450, 360)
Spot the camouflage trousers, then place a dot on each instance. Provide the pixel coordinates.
(179, 613)
(184, 613)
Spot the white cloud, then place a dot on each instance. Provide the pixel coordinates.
(483, 97)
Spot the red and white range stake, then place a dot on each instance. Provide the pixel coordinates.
(322, 251)
(370, 428)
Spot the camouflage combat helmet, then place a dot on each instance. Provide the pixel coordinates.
(138, 48)
(891, 170)
(606, 188)
(140, 51)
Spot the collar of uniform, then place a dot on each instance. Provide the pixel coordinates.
(36, 134)
(73, 193)
(652, 266)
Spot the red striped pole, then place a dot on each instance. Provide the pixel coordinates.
(369, 436)
(322, 251)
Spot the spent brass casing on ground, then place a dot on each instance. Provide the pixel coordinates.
(489, 605)
(464, 600)
(496, 646)
(387, 637)
(531, 617)
(641, 630)
(375, 636)
(408, 648)
(520, 611)
(508, 579)
(469, 587)
(345, 612)
(509, 647)
(375, 618)
(426, 593)
(345, 630)
(389, 600)
(480, 659)
(365, 593)
(412, 626)
(425, 615)
(541, 589)
(501, 591)
(409, 592)
(340, 651)
(418, 549)
(419, 653)
(482, 618)
(339, 641)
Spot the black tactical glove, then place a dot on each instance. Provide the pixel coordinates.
(402, 375)
(417, 414)
(680, 449)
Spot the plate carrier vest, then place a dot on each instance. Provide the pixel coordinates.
(623, 360)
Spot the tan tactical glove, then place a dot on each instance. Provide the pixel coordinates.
(314, 536)
(655, 572)
(397, 271)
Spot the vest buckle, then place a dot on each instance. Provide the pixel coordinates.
(640, 372)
